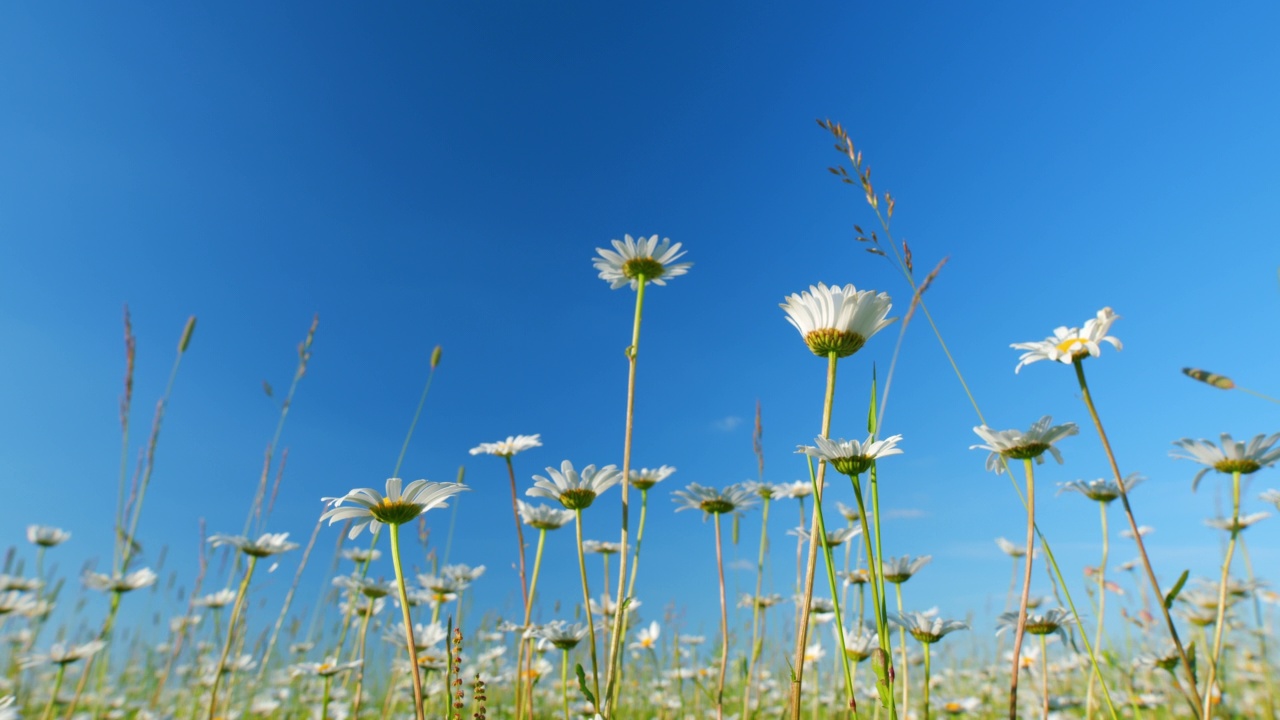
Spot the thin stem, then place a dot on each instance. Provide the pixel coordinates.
(526, 650)
(821, 538)
(754, 651)
(220, 669)
(564, 682)
(906, 667)
(586, 605)
(524, 586)
(1044, 680)
(874, 576)
(1102, 603)
(724, 623)
(57, 685)
(802, 628)
(878, 576)
(620, 617)
(927, 675)
(418, 710)
(1026, 589)
(1137, 536)
(1220, 620)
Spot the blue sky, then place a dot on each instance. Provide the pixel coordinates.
(441, 174)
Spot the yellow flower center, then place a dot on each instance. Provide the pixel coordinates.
(646, 266)
(1073, 347)
(1243, 466)
(825, 341)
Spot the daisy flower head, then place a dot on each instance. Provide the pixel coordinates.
(1017, 445)
(645, 258)
(561, 634)
(601, 547)
(647, 638)
(645, 478)
(850, 457)
(368, 507)
(857, 643)
(961, 706)
(1101, 490)
(925, 627)
(265, 546)
(1237, 524)
(714, 501)
(835, 537)
(509, 447)
(1067, 345)
(328, 668)
(544, 517)
(763, 490)
(1233, 457)
(1046, 623)
(47, 537)
(65, 654)
(135, 580)
(900, 570)
(575, 491)
(1013, 549)
(1271, 496)
(837, 319)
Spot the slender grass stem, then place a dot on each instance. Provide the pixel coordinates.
(906, 666)
(754, 651)
(1137, 536)
(821, 538)
(1044, 680)
(1215, 657)
(586, 607)
(927, 677)
(412, 647)
(1102, 604)
(526, 651)
(1028, 465)
(802, 628)
(615, 657)
(220, 669)
(724, 623)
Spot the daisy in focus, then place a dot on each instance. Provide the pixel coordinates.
(1017, 445)
(837, 320)
(630, 260)
(369, 507)
(1067, 345)
(1233, 457)
(850, 457)
(574, 490)
(509, 447)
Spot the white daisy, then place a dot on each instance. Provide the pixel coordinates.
(64, 653)
(645, 478)
(1049, 622)
(544, 517)
(837, 319)
(647, 638)
(1233, 457)
(714, 501)
(850, 457)
(560, 633)
(900, 570)
(1018, 445)
(574, 491)
(509, 447)
(369, 507)
(1238, 524)
(215, 600)
(835, 538)
(858, 643)
(636, 258)
(1101, 490)
(328, 668)
(120, 583)
(1068, 344)
(266, 545)
(46, 536)
(924, 627)
(1013, 549)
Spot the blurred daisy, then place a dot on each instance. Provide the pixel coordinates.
(328, 668)
(764, 490)
(216, 600)
(837, 319)
(368, 587)
(1143, 530)
(368, 507)
(120, 583)
(850, 457)
(46, 536)
(361, 555)
(630, 259)
(1101, 490)
(1069, 344)
(265, 546)
(645, 478)
(1012, 549)
(1271, 496)
(852, 514)
(858, 643)
(647, 638)
(465, 574)
(713, 501)
(926, 628)
(561, 634)
(960, 706)
(1049, 622)
(64, 654)
(835, 538)
(1237, 524)
(763, 602)
(900, 570)
(1232, 457)
(509, 447)
(1017, 445)
(14, 601)
(797, 490)
(575, 491)
(544, 517)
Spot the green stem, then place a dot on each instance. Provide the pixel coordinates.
(802, 628)
(1044, 680)
(1137, 536)
(754, 651)
(874, 574)
(1029, 466)
(564, 682)
(878, 576)
(902, 642)
(408, 624)
(927, 675)
(1216, 657)
(620, 617)
(526, 649)
(724, 623)
(586, 606)
(324, 698)
(57, 685)
(220, 669)
(1102, 603)
(821, 539)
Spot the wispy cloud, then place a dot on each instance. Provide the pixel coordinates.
(727, 424)
(904, 514)
(742, 564)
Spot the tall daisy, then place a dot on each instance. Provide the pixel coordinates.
(368, 507)
(835, 322)
(1068, 345)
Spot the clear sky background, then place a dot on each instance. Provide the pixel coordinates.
(425, 174)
